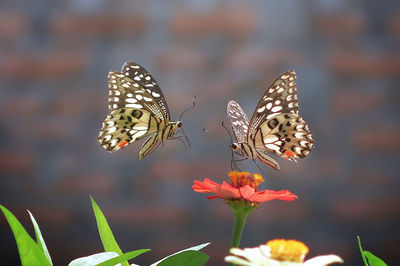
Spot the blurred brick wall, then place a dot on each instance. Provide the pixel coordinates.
(54, 60)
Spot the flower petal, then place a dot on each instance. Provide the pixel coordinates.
(228, 191)
(214, 197)
(267, 195)
(246, 191)
(237, 261)
(223, 191)
(205, 186)
(323, 260)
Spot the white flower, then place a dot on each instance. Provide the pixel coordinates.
(278, 253)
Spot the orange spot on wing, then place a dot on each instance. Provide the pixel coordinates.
(122, 143)
(289, 154)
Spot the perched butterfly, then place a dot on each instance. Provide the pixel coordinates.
(274, 127)
(137, 109)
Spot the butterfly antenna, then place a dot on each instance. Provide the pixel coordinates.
(189, 108)
(230, 135)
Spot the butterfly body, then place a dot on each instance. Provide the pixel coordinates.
(275, 126)
(137, 110)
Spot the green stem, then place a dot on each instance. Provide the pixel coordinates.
(241, 209)
(238, 226)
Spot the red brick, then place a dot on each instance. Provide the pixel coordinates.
(13, 24)
(50, 130)
(45, 215)
(340, 24)
(54, 215)
(85, 183)
(377, 139)
(234, 21)
(364, 63)
(371, 177)
(262, 61)
(180, 59)
(96, 25)
(364, 209)
(17, 162)
(213, 92)
(394, 25)
(347, 102)
(147, 215)
(50, 65)
(21, 107)
(70, 105)
(174, 170)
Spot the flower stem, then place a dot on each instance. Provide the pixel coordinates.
(241, 209)
(238, 226)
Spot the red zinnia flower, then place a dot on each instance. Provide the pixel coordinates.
(242, 186)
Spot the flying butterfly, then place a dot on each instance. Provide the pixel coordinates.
(275, 126)
(137, 109)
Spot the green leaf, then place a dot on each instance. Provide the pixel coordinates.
(29, 251)
(106, 235)
(39, 238)
(362, 251)
(187, 258)
(93, 259)
(197, 248)
(127, 256)
(374, 260)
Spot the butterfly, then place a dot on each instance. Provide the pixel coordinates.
(275, 127)
(137, 109)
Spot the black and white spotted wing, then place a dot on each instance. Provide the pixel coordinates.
(239, 120)
(134, 113)
(136, 110)
(281, 97)
(275, 125)
(127, 93)
(140, 75)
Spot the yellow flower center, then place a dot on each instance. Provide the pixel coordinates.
(287, 250)
(240, 179)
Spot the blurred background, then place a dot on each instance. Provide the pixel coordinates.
(54, 60)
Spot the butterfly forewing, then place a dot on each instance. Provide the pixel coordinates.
(239, 120)
(281, 97)
(140, 75)
(127, 93)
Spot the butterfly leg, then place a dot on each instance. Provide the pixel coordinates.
(181, 139)
(234, 160)
(259, 168)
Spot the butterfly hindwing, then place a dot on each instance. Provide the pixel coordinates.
(124, 126)
(285, 135)
(239, 120)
